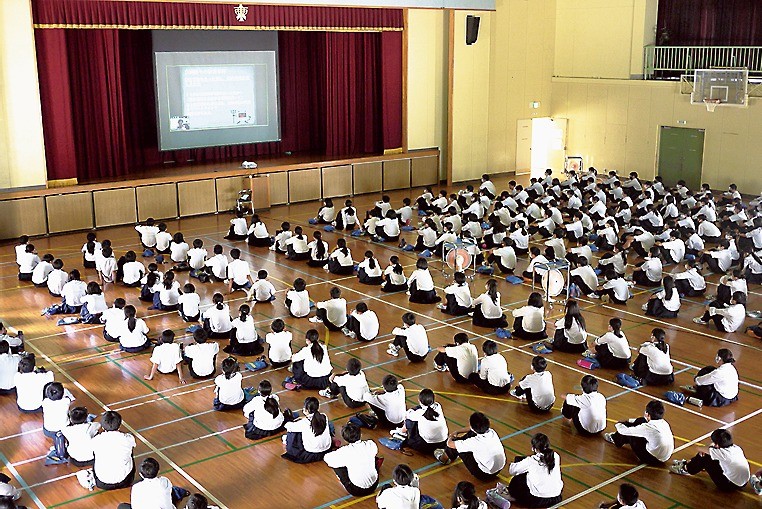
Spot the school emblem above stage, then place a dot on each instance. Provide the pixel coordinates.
(240, 12)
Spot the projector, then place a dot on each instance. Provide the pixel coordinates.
(249, 165)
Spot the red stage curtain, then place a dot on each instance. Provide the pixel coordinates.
(711, 22)
(113, 14)
(391, 89)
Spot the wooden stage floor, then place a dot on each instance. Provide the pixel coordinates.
(205, 450)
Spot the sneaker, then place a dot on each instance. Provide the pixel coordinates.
(609, 437)
(699, 321)
(756, 484)
(398, 432)
(315, 319)
(351, 335)
(441, 307)
(605, 299)
(593, 296)
(440, 368)
(442, 457)
(326, 393)
(644, 307)
(345, 331)
(399, 436)
(678, 467)
(512, 392)
(393, 351)
(402, 243)
(688, 388)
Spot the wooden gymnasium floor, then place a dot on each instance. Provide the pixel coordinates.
(206, 451)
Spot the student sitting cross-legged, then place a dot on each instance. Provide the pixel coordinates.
(153, 491)
(587, 411)
(479, 448)
(355, 463)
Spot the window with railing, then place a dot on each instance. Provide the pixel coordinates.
(670, 62)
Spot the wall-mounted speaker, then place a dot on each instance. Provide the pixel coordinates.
(472, 29)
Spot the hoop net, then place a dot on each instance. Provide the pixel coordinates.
(711, 104)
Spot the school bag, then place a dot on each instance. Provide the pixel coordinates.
(329, 228)
(429, 502)
(628, 381)
(390, 443)
(588, 363)
(498, 496)
(514, 280)
(503, 333)
(678, 398)
(365, 420)
(485, 269)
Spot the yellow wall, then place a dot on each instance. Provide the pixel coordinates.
(521, 67)
(614, 124)
(22, 149)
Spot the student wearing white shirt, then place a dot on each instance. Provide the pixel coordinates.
(238, 227)
(612, 349)
(167, 297)
(405, 213)
(152, 491)
(707, 230)
(520, 238)
(340, 260)
(726, 319)
(257, 234)
(536, 480)
(27, 261)
(487, 310)
(355, 463)
(216, 319)
(571, 331)
(112, 319)
(244, 340)
(318, 250)
(718, 260)
(311, 366)
(461, 359)
(298, 300)
(201, 356)
(132, 270)
(333, 312)
(394, 276)
(388, 228)
(403, 493)
(114, 467)
(615, 288)
(197, 257)
(296, 246)
(425, 428)
(280, 240)
(167, 357)
(30, 384)
(690, 282)
(188, 304)
(724, 461)
(264, 414)
(627, 498)
(238, 272)
(427, 237)
(653, 365)
(71, 296)
(457, 297)
(493, 376)
(672, 250)
(55, 409)
(79, 434)
(411, 338)
(478, 447)
(163, 239)
(309, 438)
(587, 412)
(504, 257)
(717, 386)
(583, 275)
(529, 320)
(57, 278)
(666, 302)
(650, 436)
(369, 270)
(20, 248)
(649, 272)
(279, 341)
(42, 270)
(388, 403)
(326, 214)
(362, 324)
(148, 233)
(537, 387)
(536, 267)
(616, 260)
(262, 290)
(106, 265)
(217, 266)
(90, 251)
(351, 385)
(347, 217)
(9, 363)
(178, 251)
(228, 393)
(133, 332)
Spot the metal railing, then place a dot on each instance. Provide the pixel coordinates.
(666, 61)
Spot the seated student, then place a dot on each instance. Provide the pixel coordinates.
(387, 228)
(57, 278)
(446, 238)
(718, 260)
(722, 460)
(148, 233)
(310, 438)
(112, 319)
(535, 269)
(90, 251)
(362, 324)
(707, 230)
(55, 408)
(326, 214)
(20, 248)
(133, 332)
(346, 219)
(151, 284)
(216, 319)
(257, 234)
(388, 403)
(42, 270)
(106, 265)
(460, 359)
(617, 261)
(478, 447)
(425, 428)
(520, 238)
(672, 250)
(30, 384)
(167, 297)
(279, 341)
(411, 338)
(615, 289)
(487, 309)
(264, 414)
(262, 290)
(244, 340)
(612, 349)
(732, 282)
(653, 365)
(238, 272)
(132, 270)
(457, 297)
(493, 376)
(153, 491)
(333, 312)
(427, 237)
(627, 498)
(78, 434)
(649, 272)
(318, 251)
(583, 275)
(298, 299)
(504, 257)
(717, 386)
(369, 270)
(9, 363)
(311, 366)
(188, 304)
(167, 357)
(402, 492)
(238, 228)
(690, 283)
(280, 240)
(650, 437)
(537, 387)
(350, 385)
(340, 260)
(464, 497)
(751, 266)
(355, 463)
(14, 338)
(726, 319)
(228, 393)
(27, 261)
(529, 320)
(178, 252)
(666, 302)
(571, 330)
(197, 258)
(71, 297)
(587, 412)
(296, 246)
(536, 480)
(394, 277)
(557, 243)
(113, 465)
(216, 267)
(405, 213)
(201, 356)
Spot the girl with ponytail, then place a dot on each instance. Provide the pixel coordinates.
(536, 479)
(394, 277)
(167, 298)
(340, 260)
(150, 287)
(216, 319)
(612, 349)
(132, 337)
(244, 339)
(309, 438)
(296, 246)
(425, 428)
(311, 366)
(263, 411)
(369, 270)
(464, 497)
(487, 310)
(228, 393)
(258, 235)
(318, 251)
(664, 303)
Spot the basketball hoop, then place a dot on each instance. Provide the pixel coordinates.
(711, 104)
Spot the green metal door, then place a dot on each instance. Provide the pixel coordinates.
(681, 154)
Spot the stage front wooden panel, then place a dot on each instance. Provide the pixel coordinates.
(260, 192)
(367, 177)
(227, 192)
(304, 185)
(337, 181)
(69, 212)
(115, 206)
(158, 201)
(197, 197)
(425, 171)
(396, 174)
(22, 217)
(278, 188)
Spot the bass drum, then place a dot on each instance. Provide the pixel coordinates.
(458, 259)
(553, 282)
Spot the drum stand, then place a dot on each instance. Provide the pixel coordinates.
(558, 266)
(450, 250)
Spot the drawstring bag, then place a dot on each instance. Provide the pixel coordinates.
(329, 228)
(485, 269)
(588, 363)
(147, 253)
(514, 280)
(426, 253)
(678, 398)
(408, 247)
(503, 333)
(390, 443)
(312, 221)
(357, 233)
(628, 381)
